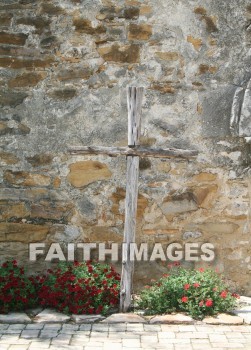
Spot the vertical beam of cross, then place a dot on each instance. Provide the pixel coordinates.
(132, 152)
(134, 102)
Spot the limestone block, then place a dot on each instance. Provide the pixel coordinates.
(22, 178)
(87, 318)
(124, 318)
(13, 39)
(83, 173)
(172, 318)
(26, 79)
(15, 317)
(18, 232)
(224, 319)
(219, 227)
(51, 316)
(8, 158)
(120, 53)
(139, 31)
(204, 177)
(179, 205)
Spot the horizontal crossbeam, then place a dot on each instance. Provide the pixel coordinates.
(135, 151)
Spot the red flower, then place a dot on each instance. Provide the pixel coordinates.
(223, 294)
(196, 285)
(184, 299)
(201, 269)
(235, 295)
(201, 303)
(186, 286)
(209, 302)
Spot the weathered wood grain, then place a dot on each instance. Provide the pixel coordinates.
(137, 151)
(134, 103)
(129, 232)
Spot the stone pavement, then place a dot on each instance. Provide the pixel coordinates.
(48, 329)
(97, 336)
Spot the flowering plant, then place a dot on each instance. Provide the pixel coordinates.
(197, 292)
(17, 290)
(80, 288)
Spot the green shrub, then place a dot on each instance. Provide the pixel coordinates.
(196, 292)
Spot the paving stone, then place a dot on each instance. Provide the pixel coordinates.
(175, 319)
(223, 319)
(51, 316)
(124, 335)
(163, 335)
(12, 331)
(187, 328)
(47, 335)
(135, 327)
(117, 346)
(152, 327)
(67, 347)
(149, 339)
(72, 327)
(17, 326)
(131, 343)
(30, 333)
(39, 344)
(15, 317)
(243, 329)
(70, 330)
(169, 328)
(34, 326)
(221, 345)
(85, 327)
(4, 346)
(87, 318)
(245, 313)
(4, 326)
(99, 335)
(117, 327)
(53, 326)
(98, 327)
(124, 318)
(62, 339)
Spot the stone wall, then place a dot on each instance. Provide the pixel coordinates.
(65, 66)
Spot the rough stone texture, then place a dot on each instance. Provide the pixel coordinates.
(87, 318)
(174, 319)
(245, 313)
(26, 179)
(65, 66)
(51, 316)
(15, 317)
(84, 173)
(224, 319)
(19, 232)
(124, 318)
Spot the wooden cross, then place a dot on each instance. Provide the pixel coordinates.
(133, 152)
